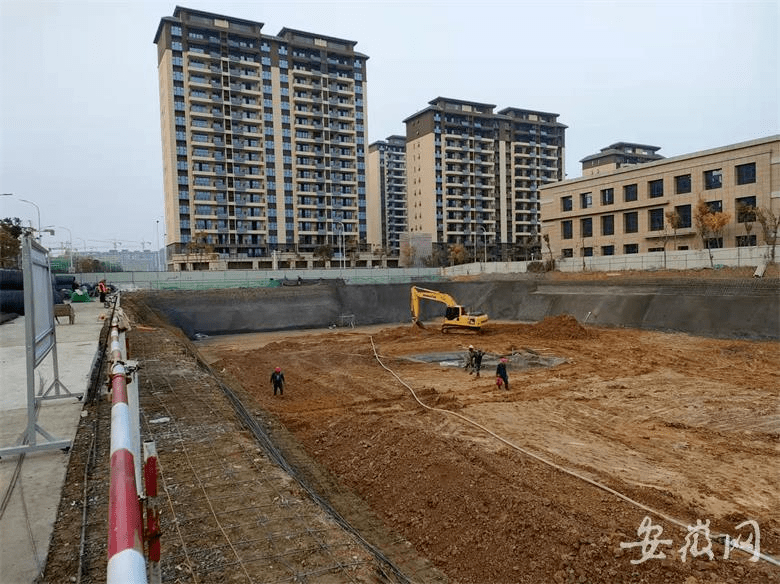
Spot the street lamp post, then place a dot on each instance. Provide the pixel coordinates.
(157, 244)
(37, 208)
(484, 239)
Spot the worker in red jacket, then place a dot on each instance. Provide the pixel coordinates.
(277, 378)
(502, 378)
(102, 290)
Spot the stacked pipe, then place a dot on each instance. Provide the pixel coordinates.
(125, 528)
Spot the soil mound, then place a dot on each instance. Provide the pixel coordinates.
(560, 327)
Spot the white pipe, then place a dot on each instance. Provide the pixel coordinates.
(720, 537)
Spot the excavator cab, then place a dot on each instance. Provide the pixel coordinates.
(452, 312)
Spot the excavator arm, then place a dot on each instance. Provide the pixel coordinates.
(453, 309)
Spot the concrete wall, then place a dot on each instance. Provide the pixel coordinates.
(203, 280)
(724, 308)
(674, 260)
(213, 279)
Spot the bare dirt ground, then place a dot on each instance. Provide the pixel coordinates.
(687, 426)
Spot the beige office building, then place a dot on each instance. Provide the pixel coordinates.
(263, 141)
(625, 211)
(474, 176)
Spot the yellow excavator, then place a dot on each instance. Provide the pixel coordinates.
(455, 315)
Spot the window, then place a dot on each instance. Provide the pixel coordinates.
(629, 193)
(631, 248)
(587, 252)
(746, 209)
(655, 188)
(652, 249)
(682, 184)
(713, 179)
(567, 252)
(746, 173)
(586, 227)
(630, 222)
(656, 217)
(607, 250)
(746, 240)
(566, 229)
(608, 225)
(586, 201)
(607, 196)
(566, 204)
(684, 214)
(715, 206)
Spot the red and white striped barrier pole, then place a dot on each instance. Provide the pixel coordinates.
(125, 529)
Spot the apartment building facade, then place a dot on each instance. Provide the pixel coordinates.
(386, 178)
(626, 211)
(474, 175)
(618, 155)
(263, 141)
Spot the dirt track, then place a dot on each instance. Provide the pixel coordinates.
(687, 426)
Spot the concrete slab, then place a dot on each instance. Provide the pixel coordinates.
(27, 520)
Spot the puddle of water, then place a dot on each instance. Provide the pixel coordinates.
(520, 360)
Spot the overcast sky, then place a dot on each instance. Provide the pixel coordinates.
(79, 101)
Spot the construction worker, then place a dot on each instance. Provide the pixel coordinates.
(277, 378)
(474, 360)
(102, 290)
(478, 360)
(469, 359)
(502, 378)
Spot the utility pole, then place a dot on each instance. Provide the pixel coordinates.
(70, 249)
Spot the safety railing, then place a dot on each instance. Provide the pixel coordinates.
(127, 538)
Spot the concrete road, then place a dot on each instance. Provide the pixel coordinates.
(28, 511)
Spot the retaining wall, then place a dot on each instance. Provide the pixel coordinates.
(720, 308)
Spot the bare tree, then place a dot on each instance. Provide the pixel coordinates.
(546, 238)
(408, 254)
(324, 253)
(664, 238)
(458, 254)
(746, 214)
(770, 224)
(10, 242)
(709, 225)
(674, 221)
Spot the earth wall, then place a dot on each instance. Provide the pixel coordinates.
(747, 309)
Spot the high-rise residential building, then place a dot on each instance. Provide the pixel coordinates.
(651, 207)
(263, 141)
(387, 193)
(473, 176)
(619, 155)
